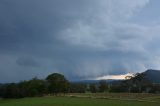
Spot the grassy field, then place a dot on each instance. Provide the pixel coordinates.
(86, 100)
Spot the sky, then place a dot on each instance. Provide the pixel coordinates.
(115, 77)
(81, 39)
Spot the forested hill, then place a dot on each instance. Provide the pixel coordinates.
(153, 75)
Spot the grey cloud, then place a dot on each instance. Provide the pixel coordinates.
(27, 62)
(81, 39)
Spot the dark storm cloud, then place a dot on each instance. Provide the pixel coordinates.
(79, 38)
(30, 29)
(27, 62)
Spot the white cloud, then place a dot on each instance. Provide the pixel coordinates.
(115, 77)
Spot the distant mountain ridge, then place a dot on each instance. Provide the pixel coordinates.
(153, 75)
(96, 81)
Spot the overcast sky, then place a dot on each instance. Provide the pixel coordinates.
(79, 38)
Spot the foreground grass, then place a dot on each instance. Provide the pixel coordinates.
(73, 101)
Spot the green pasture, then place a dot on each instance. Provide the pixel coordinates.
(86, 100)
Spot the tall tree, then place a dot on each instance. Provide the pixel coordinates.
(57, 83)
(93, 88)
(103, 87)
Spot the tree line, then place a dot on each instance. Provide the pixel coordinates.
(55, 84)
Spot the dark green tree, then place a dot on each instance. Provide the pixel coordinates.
(103, 87)
(57, 83)
(138, 81)
(36, 87)
(93, 88)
